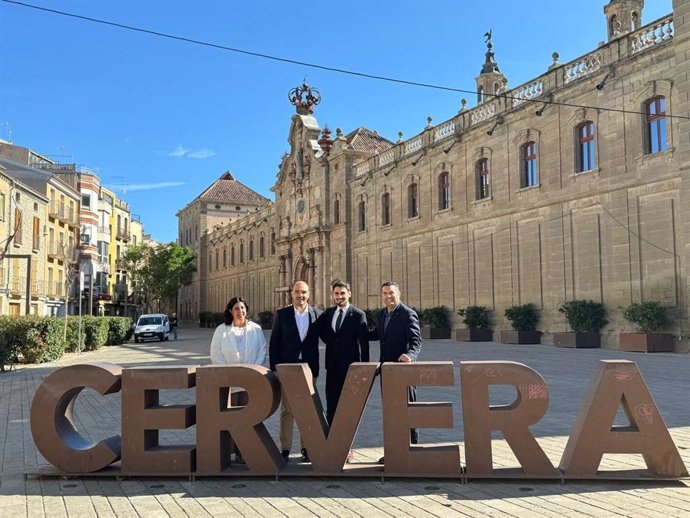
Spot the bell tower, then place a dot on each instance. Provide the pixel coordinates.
(490, 81)
(622, 17)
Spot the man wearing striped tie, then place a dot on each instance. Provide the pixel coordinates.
(344, 331)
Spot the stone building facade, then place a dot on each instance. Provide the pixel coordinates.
(574, 185)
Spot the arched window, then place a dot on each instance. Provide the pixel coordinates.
(251, 250)
(529, 169)
(655, 127)
(586, 140)
(217, 255)
(635, 19)
(385, 208)
(225, 257)
(210, 261)
(232, 255)
(614, 26)
(261, 247)
(241, 253)
(336, 211)
(412, 201)
(362, 216)
(273, 243)
(444, 191)
(483, 184)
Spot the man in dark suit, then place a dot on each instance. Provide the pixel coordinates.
(294, 339)
(397, 330)
(344, 331)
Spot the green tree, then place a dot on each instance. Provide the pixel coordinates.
(172, 266)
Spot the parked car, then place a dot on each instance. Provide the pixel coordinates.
(152, 326)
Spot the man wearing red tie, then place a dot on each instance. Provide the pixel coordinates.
(344, 331)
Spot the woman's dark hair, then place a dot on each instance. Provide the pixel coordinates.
(227, 314)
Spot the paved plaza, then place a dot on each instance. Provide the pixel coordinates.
(567, 372)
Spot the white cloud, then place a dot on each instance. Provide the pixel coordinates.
(201, 153)
(125, 188)
(179, 152)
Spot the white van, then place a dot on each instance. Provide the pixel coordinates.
(151, 327)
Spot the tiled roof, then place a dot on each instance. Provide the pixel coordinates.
(227, 189)
(367, 141)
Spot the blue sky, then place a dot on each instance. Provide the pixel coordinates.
(164, 119)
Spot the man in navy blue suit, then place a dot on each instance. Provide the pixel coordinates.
(397, 330)
(344, 331)
(294, 339)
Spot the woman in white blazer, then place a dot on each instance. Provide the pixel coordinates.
(238, 341)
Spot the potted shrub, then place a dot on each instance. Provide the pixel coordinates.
(435, 322)
(586, 318)
(649, 317)
(523, 320)
(476, 318)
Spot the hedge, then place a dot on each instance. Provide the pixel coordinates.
(42, 339)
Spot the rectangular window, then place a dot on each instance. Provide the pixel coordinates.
(2, 206)
(362, 216)
(18, 237)
(483, 187)
(386, 209)
(530, 173)
(412, 201)
(444, 191)
(86, 201)
(36, 241)
(586, 143)
(656, 124)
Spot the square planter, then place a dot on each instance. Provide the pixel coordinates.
(435, 333)
(474, 335)
(578, 340)
(646, 343)
(510, 336)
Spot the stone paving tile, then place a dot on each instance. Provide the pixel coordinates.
(566, 372)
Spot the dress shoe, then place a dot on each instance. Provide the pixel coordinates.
(382, 460)
(286, 455)
(305, 455)
(350, 457)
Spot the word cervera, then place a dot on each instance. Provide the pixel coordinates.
(617, 383)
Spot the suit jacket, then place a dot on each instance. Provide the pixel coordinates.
(285, 345)
(402, 336)
(351, 342)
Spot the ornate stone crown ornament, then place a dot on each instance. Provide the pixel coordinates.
(304, 103)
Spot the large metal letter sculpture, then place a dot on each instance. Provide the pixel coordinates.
(399, 415)
(619, 382)
(512, 420)
(143, 417)
(52, 418)
(327, 448)
(216, 423)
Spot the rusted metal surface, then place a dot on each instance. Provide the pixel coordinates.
(328, 448)
(513, 420)
(143, 416)
(218, 425)
(52, 421)
(399, 416)
(619, 383)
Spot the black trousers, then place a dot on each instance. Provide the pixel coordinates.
(335, 380)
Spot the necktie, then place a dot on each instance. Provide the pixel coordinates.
(339, 320)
